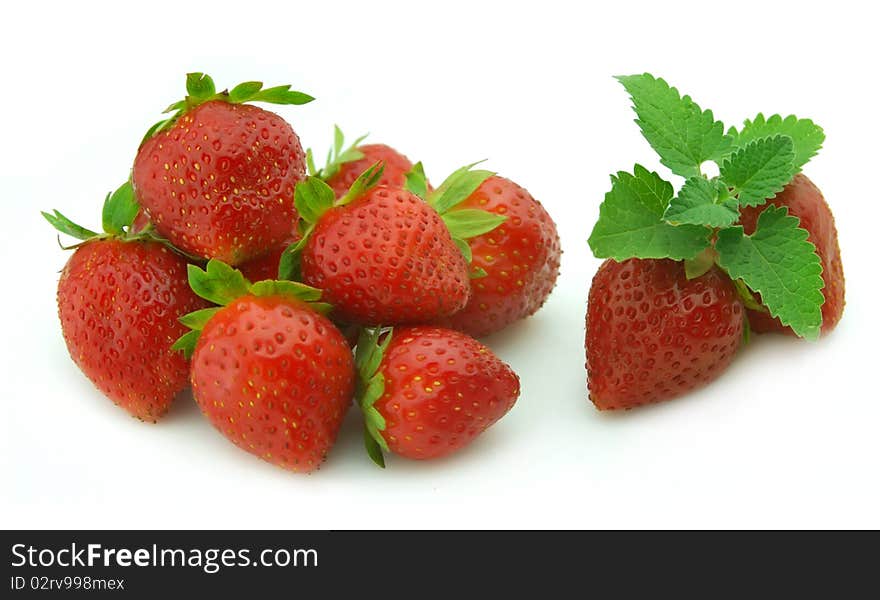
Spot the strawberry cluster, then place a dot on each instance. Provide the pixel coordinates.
(284, 293)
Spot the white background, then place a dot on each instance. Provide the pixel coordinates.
(788, 437)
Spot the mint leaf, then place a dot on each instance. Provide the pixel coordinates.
(631, 221)
(778, 262)
(120, 209)
(457, 187)
(703, 202)
(312, 198)
(218, 283)
(759, 170)
(681, 132)
(68, 227)
(465, 223)
(806, 136)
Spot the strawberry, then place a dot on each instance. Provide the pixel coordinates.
(804, 200)
(345, 165)
(381, 255)
(217, 178)
(119, 297)
(519, 261)
(266, 266)
(426, 391)
(653, 334)
(269, 371)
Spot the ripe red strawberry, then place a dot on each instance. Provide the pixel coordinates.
(396, 167)
(520, 259)
(266, 266)
(269, 371)
(217, 179)
(652, 334)
(804, 200)
(381, 255)
(429, 391)
(119, 298)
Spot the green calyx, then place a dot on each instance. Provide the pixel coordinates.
(221, 284)
(643, 217)
(117, 216)
(463, 223)
(337, 156)
(200, 88)
(370, 387)
(312, 198)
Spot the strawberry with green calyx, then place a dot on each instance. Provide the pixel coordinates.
(345, 164)
(426, 392)
(381, 255)
(119, 297)
(269, 370)
(217, 177)
(514, 260)
(642, 218)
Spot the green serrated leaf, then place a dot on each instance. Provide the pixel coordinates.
(200, 86)
(631, 221)
(374, 450)
(681, 132)
(68, 227)
(289, 289)
(218, 283)
(199, 318)
(458, 187)
(466, 223)
(807, 137)
(416, 181)
(778, 262)
(702, 202)
(759, 170)
(187, 343)
(465, 249)
(281, 94)
(244, 91)
(313, 198)
(120, 209)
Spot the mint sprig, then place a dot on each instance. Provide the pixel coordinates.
(642, 217)
(221, 284)
(200, 88)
